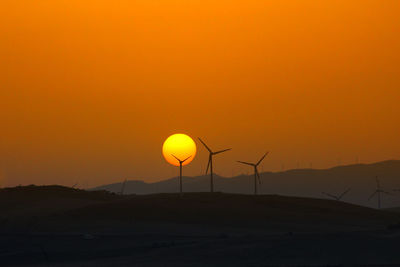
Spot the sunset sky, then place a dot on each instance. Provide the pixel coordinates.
(89, 90)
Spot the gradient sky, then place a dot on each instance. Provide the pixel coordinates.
(89, 90)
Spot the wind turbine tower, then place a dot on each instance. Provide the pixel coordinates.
(123, 187)
(378, 192)
(256, 174)
(210, 163)
(180, 172)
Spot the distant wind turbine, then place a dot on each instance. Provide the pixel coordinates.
(123, 187)
(180, 172)
(210, 163)
(378, 192)
(256, 174)
(337, 197)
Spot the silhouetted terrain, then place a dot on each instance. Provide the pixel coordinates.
(59, 226)
(302, 182)
(26, 201)
(394, 209)
(54, 204)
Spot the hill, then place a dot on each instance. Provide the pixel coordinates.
(28, 201)
(270, 212)
(300, 182)
(59, 226)
(61, 207)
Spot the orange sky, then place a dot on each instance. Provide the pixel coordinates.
(89, 90)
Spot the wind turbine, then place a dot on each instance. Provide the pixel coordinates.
(210, 163)
(378, 192)
(123, 187)
(180, 171)
(337, 197)
(256, 174)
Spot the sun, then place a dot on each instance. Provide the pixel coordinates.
(181, 146)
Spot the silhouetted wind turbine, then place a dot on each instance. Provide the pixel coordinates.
(180, 171)
(339, 197)
(378, 192)
(123, 187)
(210, 164)
(256, 174)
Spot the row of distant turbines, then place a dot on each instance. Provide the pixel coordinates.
(377, 193)
(257, 178)
(210, 167)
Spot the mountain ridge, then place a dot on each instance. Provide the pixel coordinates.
(295, 182)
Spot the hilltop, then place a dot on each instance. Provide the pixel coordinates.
(28, 201)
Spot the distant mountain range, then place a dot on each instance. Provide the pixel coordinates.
(298, 182)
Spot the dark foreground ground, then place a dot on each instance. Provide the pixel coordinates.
(56, 226)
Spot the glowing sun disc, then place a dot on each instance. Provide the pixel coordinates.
(181, 146)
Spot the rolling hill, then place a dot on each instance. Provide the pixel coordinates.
(57, 207)
(59, 226)
(28, 201)
(272, 212)
(299, 182)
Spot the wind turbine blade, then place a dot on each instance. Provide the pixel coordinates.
(372, 195)
(204, 144)
(344, 193)
(208, 164)
(251, 164)
(329, 195)
(215, 153)
(186, 159)
(176, 158)
(262, 158)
